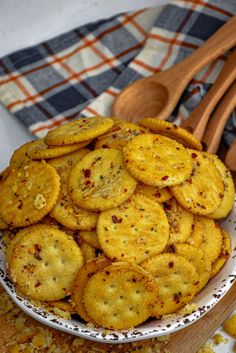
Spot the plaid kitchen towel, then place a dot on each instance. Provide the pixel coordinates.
(80, 72)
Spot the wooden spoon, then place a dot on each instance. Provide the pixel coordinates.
(198, 119)
(157, 95)
(219, 118)
(230, 158)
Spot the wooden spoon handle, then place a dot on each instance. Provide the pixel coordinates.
(230, 158)
(218, 120)
(217, 44)
(193, 337)
(198, 119)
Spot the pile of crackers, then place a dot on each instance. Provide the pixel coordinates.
(115, 221)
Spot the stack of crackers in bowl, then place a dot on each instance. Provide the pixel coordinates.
(114, 221)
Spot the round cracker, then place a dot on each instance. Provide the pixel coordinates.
(180, 221)
(44, 263)
(157, 160)
(39, 150)
(224, 254)
(157, 194)
(20, 156)
(66, 211)
(229, 190)
(81, 280)
(203, 191)
(116, 287)
(78, 130)
(173, 131)
(133, 231)
(28, 193)
(197, 258)
(100, 181)
(177, 281)
(119, 135)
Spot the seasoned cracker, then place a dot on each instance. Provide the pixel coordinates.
(88, 251)
(173, 131)
(44, 263)
(133, 231)
(119, 135)
(116, 287)
(28, 193)
(180, 221)
(203, 191)
(154, 192)
(197, 258)
(229, 190)
(224, 254)
(196, 236)
(20, 156)
(157, 160)
(177, 282)
(66, 211)
(91, 238)
(39, 150)
(100, 181)
(81, 280)
(78, 130)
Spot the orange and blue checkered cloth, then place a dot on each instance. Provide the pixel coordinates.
(79, 73)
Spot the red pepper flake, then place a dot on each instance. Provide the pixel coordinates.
(194, 155)
(37, 284)
(115, 219)
(165, 177)
(171, 264)
(87, 173)
(217, 225)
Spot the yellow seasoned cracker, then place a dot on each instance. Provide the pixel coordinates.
(116, 287)
(119, 135)
(100, 181)
(66, 211)
(180, 221)
(81, 280)
(39, 150)
(197, 258)
(224, 254)
(20, 156)
(212, 238)
(44, 263)
(196, 236)
(91, 238)
(177, 282)
(157, 160)
(14, 240)
(28, 193)
(133, 231)
(157, 194)
(88, 251)
(203, 191)
(79, 130)
(173, 131)
(228, 197)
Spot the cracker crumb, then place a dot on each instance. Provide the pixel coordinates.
(188, 309)
(206, 348)
(230, 326)
(218, 338)
(39, 202)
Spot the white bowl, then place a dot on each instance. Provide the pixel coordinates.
(205, 301)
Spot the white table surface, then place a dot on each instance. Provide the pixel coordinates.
(28, 22)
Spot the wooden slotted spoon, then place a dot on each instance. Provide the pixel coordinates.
(157, 95)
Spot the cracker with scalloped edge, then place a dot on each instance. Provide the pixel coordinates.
(28, 193)
(177, 281)
(229, 191)
(81, 280)
(65, 210)
(197, 258)
(39, 150)
(154, 192)
(116, 287)
(100, 181)
(157, 160)
(20, 156)
(81, 129)
(134, 231)
(173, 131)
(224, 253)
(119, 135)
(202, 192)
(44, 263)
(180, 221)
